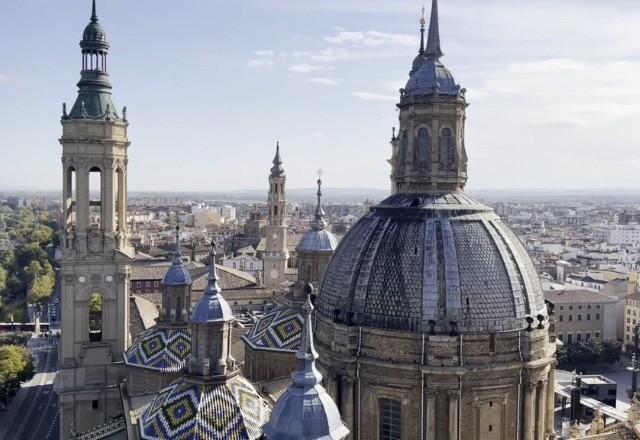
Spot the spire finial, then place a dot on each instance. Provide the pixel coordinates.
(306, 375)
(422, 23)
(433, 42)
(94, 16)
(318, 220)
(213, 287)
(277, 161)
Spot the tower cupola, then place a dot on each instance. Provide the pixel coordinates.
(429, 154)
(94, 88)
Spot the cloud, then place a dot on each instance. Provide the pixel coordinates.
(260, 63)
(369, 96)
(371, 38)
(264, 53)
(306, 68)
(4, 79)
(324, 81)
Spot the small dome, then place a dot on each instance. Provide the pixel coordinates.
(194, 408)
(211, 308)
(94, 32)
(178, 274)
(431, 77)
(426, 263)
(160, 349)
(317, 241)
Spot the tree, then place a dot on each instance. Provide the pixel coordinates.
(28, 253)
(611, 351)
(16, 366)
(41, 281)
(42, 235)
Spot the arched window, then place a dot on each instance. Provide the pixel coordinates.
(389, 419)
(275, 211)
(424, 145)
(445, 145)
(405, 147)
(95, 317)
(95, 197)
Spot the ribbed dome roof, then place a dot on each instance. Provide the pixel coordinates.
(432, 77)
(317, 241)
(94, 32)
(431, 263)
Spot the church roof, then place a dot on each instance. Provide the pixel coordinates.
(277, 330)
(178, 274)
(431, 263)
(206, 410)
(112, 430)
(160, 349)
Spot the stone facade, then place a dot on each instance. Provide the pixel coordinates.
(465, 387)
(95, 261)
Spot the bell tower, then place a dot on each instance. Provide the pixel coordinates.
(276, 254)
(96, 256)
(428, 152)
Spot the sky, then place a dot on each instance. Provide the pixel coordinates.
(210, 85)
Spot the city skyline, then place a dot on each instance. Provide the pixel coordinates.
(555, 103)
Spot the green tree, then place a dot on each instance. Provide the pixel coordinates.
(41, 281)
(16, 366)
(28, 253)
(42, 235)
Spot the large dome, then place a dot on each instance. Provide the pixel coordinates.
(431, 263)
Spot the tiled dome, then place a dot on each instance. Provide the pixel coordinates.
(206, 409)
(160, 349)
(425, 263)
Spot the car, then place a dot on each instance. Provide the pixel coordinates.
(57, 300)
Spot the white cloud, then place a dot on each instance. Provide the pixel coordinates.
(369, 96)
(4, 79)
(324, 81)
(372, 38)
(260, 63)
(306, 68)
(264, 53)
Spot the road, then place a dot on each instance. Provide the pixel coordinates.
(36, 418)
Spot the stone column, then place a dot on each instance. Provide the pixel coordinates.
(541, 400)
(347, 401)
(431, 413)
(107, 199)
(82, 202)
(550, 417)
(528, 416)
(454, 396)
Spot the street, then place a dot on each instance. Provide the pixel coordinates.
(33, 414)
